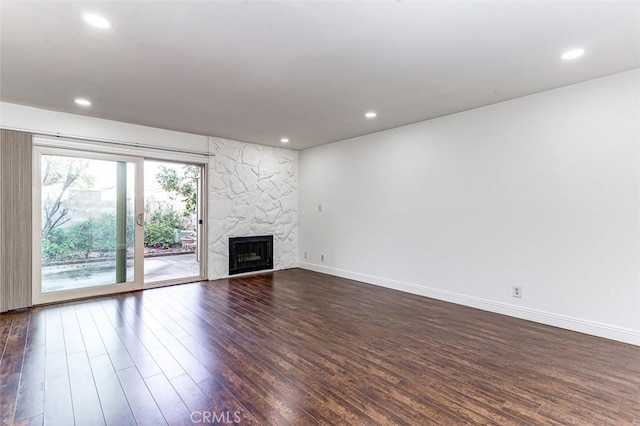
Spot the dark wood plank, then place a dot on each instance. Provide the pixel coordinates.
(11, 364)
(14, 347)
(298, 347)
(215, 399)
(8, 388)
(30, 398)
(6, 320)
(238, 351)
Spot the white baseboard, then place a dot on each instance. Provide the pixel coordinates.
(607, 331)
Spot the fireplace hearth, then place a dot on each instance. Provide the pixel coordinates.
(248, 254)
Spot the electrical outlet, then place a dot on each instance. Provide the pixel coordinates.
(305, 254)
(517, 291)
(322, 258)
(319, 207)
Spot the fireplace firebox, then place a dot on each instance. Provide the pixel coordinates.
(247, 254)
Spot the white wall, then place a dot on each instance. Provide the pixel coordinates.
(42, 121)
(253, 190)
(540, 192)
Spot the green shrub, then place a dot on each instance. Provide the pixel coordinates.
(170, 218)
(94, 235)
(57, 246)
(81, 239)
(158, 234)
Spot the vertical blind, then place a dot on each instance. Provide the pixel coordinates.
(15, 219)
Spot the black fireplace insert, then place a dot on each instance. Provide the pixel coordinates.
(247, 254)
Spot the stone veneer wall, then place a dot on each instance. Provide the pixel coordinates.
(253, 190)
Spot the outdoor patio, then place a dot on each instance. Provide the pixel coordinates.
(90, 274)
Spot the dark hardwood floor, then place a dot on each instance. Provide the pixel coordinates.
(298, 347)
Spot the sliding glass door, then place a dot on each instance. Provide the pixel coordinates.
(173, 222)
(89, 222)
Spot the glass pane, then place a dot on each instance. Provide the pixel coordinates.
(81, 216)
(131, 219)
(171, 221)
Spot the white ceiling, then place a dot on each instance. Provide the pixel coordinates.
(258, 71)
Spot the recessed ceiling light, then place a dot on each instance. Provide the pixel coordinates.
(82, 102)
(284, 140)
(572, 54)
(370, 114)
(96, 21)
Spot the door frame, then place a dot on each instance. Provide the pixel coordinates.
(64, 295)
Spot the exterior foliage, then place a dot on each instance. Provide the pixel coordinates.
(80, 240)
(185, 185)
(159, 229)
(63, 174)
(64, 239)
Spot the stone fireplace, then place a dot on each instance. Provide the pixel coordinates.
(253, 191)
